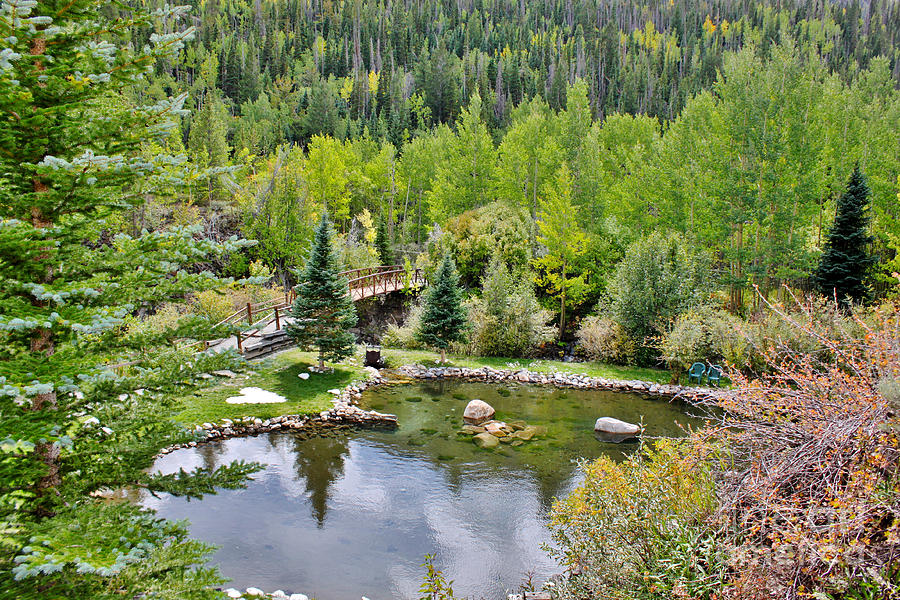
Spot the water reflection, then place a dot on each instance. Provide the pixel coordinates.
(354, 514)
(319, 462)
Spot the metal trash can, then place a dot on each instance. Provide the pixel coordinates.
(373, 357)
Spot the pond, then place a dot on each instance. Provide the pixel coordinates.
(353, 513)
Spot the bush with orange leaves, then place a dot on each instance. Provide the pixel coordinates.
(813, 496)
(796, 483)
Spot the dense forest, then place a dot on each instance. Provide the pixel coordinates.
(734, 123)
(333, 68)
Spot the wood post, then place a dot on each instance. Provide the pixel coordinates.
(240, 348)
(277, 321)
(249, 313)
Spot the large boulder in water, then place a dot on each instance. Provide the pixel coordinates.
(610, 425)
(609, 429)
(477, 412)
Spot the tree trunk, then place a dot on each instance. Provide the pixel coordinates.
(443, 355)
(562, 305)
(534, 202)
(42, 342)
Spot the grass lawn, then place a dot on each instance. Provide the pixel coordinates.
(276, 374)
(395, 358)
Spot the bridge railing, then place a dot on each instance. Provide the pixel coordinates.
(391, 279)
(362, 283)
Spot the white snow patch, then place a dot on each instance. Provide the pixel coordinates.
(255, 395)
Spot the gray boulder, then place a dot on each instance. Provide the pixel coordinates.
(477, 412)
(611, 425)
(608, 429)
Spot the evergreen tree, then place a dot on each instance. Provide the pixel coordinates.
(323, 311)
(71, 425)
(444, 318)
(383, 243)
(845, 263)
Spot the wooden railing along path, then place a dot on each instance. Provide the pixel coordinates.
(362, 283)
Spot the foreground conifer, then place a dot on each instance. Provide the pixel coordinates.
(72, 426)
(845, 263)
(444, 318)
(323, 311)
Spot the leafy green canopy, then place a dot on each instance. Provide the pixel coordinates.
(845, 263)
(564, 241)
(70, 425)
(444, 318)
(323, 311)
(660, 278)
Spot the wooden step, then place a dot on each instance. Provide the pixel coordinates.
(267, 344)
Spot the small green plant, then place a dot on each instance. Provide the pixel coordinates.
(435, 586)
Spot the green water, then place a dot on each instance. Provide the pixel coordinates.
(352, 513)
(430, 417)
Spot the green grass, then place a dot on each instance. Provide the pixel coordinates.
(395, 358)
(276, 374)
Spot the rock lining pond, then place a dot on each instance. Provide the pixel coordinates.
(352, 513)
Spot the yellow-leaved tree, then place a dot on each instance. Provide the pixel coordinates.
(564, 241)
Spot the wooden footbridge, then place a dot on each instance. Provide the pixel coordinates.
(263, 322)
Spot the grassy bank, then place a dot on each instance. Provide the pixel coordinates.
(279, 374)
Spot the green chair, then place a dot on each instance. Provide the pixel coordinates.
(714, 375)
(696, 372)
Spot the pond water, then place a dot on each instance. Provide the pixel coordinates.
(353, 513)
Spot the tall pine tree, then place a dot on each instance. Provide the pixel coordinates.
(383, 243)
(444, 319)
(846, 261)
(323, 311)
(71, 425)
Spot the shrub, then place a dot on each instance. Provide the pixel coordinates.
(605, 340)
(215, 305)
(635, 529)
(813, 497)
(404, 336)
(506, 320)
(704, 335)
(660, 278)
(165, 318)
(778, 329)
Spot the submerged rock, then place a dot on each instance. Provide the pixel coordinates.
(486, 440)
(526, 434)
(472, 429)
(477, 412)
